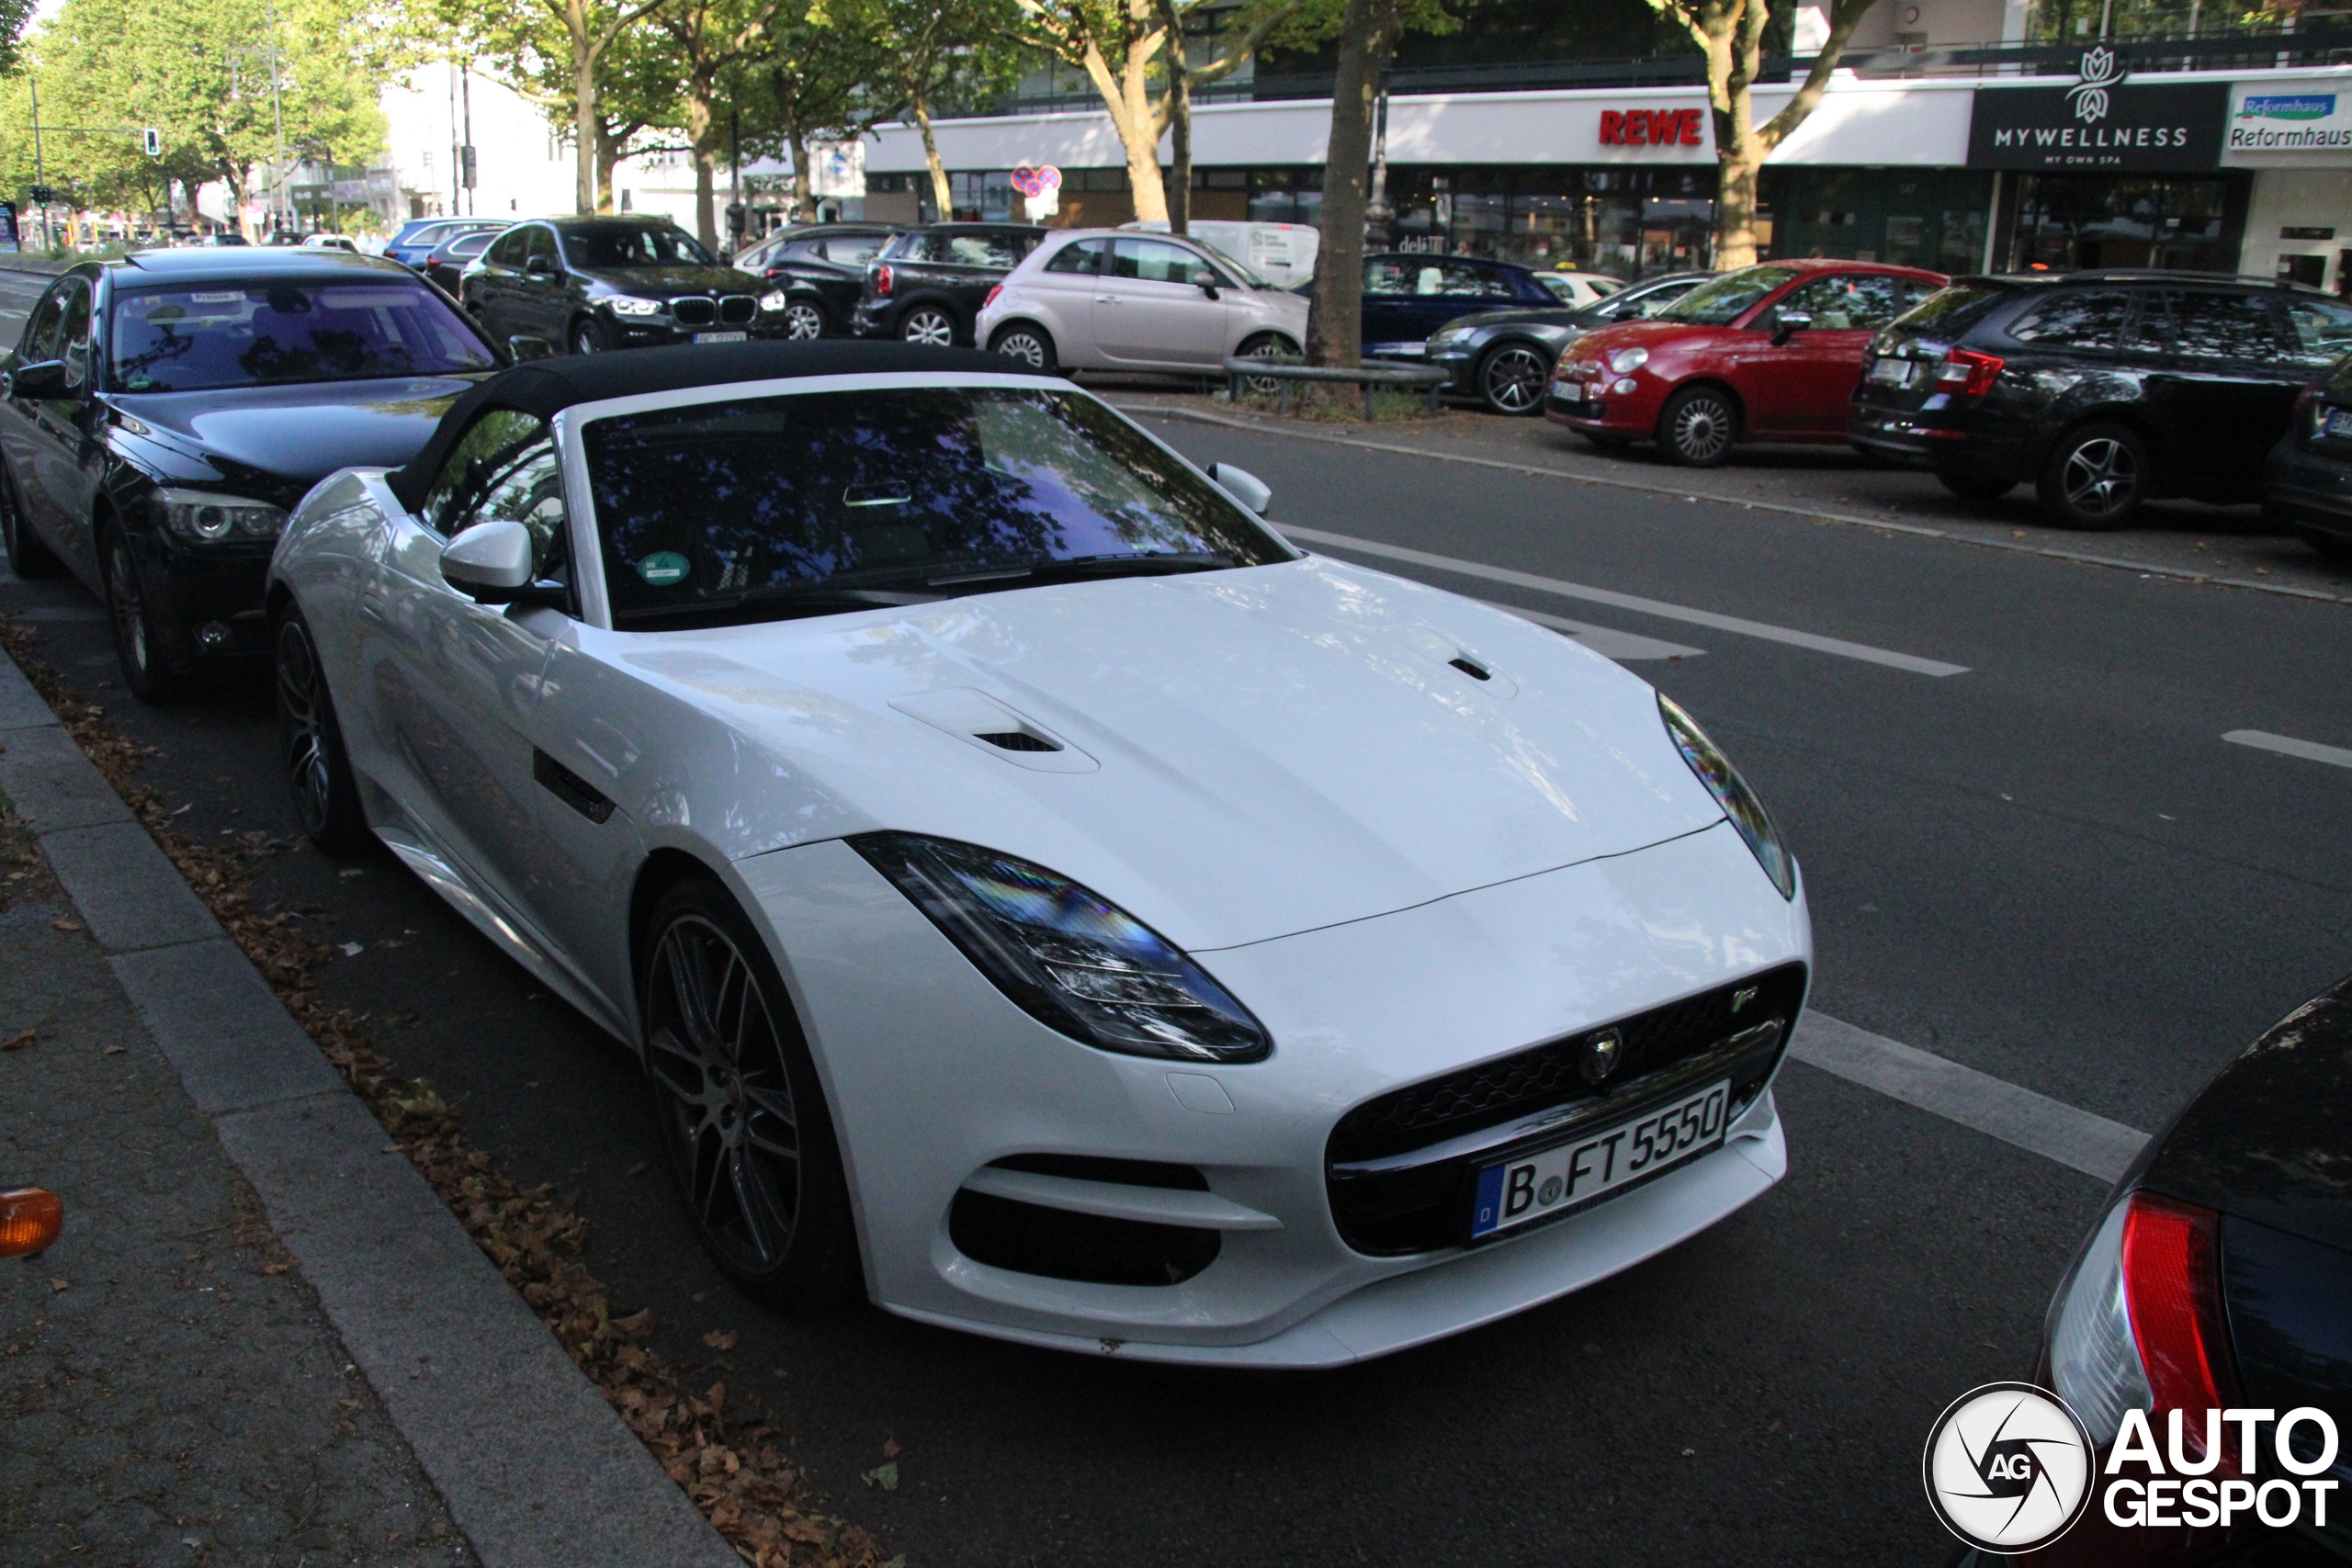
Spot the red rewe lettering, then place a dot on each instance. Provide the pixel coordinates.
(1612, 129)
(1690, 128)
(1637, 128)
(1665, 127)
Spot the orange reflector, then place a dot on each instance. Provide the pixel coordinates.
(29, 1220)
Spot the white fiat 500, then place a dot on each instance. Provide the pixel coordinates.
(1045, 902)
(1104, 299)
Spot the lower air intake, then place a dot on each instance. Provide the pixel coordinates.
(1029, 1238)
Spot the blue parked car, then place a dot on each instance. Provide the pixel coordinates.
(1408, 296)
(420, 237)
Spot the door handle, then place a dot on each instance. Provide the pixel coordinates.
(1107, 299)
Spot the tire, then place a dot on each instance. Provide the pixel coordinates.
(738, 1106)
(588, 336)
(930, 325)
(151, 673)
(1698, 427)
(1511, 377)
(28, 557)
(2095, 477)
(1032, 344)
(1976, 487)
(318, 770)
(1266, 345)
(805, 321)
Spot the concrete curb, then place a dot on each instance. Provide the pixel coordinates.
(536, 1469)
(1787, 509)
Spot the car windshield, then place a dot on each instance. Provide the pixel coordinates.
(1719, 301)
(228, 335)
(633, 244)
(767, 507)
(1240, 271)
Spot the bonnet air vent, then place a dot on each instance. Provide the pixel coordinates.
(1475, 672)
(1016, 740)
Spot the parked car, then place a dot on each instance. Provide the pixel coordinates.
(1580, 287)
(928, 284)
(820, 268)
(964, 700)
(2307, 485)
(160, 414)
(1504, 358)
(2103, 389)
(2219, 1277)
(1764, 352)
(1097, 299)
(1283, 254)
(330, 242)
(220, 237)
(458, 251)
(1408, 296)
(594, 284)
(415, 240)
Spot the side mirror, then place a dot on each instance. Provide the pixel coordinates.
(1243, 486)
(540, 267)
(490, 561)
(1206, 281)
(525, 348)
(44, 379)
(1788, 325)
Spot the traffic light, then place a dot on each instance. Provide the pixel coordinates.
(735, 217)
(41, 195)
(152, 140)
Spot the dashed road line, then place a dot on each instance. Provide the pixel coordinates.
(1658, 607)
(2287, 746)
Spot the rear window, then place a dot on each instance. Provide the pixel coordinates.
(1948, 313)
(1721, 300)
(186, 340)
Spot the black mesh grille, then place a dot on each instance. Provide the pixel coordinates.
(738, 309)
(694, 312)
(1016, 740)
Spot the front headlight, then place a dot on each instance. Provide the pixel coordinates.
(627, 305)
(1625, 361)
(772, 300)
(1445, 336)
(1731, 792)
(1067, 957)
(211, 517)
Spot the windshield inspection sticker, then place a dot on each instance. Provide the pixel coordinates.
(664, 568)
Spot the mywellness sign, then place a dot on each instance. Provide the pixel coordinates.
(2103, 123)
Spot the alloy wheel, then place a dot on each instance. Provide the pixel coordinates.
(302, 712)
(1513, 378)
(1023, 347)
(931, 328)
(1700, 430)
(803, 322)
(1266, 348)
(129, 609)
(727, 1106)
(583, 339)
(2101, 477)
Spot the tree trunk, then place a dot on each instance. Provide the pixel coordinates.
(583, 124)
(1180, 123)
(1138, 120)
(941, 196)
(804, 199)
(608, 157)
(1334, 329)
(701, 134)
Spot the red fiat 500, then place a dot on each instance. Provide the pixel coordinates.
(1767, 353)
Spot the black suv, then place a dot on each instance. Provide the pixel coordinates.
(588, 284)
(928, 284)
(820, 268)
(2309, 485)
(2105, 390)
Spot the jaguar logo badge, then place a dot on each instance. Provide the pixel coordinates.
(1742, 997)
(1598, 1059)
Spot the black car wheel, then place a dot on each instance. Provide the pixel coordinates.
(739, 1107)
(1698, 426)
(588, 337)
(1976, 487)
(318, 771)
(804, 320)
(2097, 477)
(28, 557)
(930, 325)
(152, 675)
(1029, 343)
(1511, 378)
(1267, 345)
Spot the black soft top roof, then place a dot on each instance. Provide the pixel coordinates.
(546, 387)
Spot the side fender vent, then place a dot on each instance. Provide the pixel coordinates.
(1017, 740)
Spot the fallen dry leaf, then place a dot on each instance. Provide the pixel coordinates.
(19, 1040)
(721, 1339)
(110, 1050)
(886, 1477)
(890, 1448)
(61, 1284)
(66, 925)
(275, 1267)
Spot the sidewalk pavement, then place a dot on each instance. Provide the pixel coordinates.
(261, 1338)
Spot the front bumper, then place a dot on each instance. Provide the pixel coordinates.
(932, 1076)
(1458, 361)
(2303, 489)
(660, 332)
(207, 601)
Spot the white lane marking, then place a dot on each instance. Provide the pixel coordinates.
(2080, 1139)
(2287, 746)
(1657, 607)
(1606, 641)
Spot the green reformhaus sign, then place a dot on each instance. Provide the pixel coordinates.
(2103, 123)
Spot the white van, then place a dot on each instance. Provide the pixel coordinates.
(1282, 254)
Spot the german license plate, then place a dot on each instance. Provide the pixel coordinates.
(2339, 422)
(1892, 372)
(722, 337)
(1593, 1164)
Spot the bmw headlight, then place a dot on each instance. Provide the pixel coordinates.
(206, 516)
(628, 305)
(1445, 336)
(772, 300)
(1731, 792)
(1625, 361)
(1067, 957)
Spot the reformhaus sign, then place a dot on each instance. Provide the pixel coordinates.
(2102, 124)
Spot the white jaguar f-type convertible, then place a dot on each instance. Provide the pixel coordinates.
(1045, 902)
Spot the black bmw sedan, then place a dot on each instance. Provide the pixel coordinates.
(1504, 358)
(162, 413)
(592, 284)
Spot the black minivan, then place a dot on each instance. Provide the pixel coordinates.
(2105, 389)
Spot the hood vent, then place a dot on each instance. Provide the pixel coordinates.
(978, 719)
(1475, 672)
(1017, 740)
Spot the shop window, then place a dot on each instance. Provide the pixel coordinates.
(1963, 242)
(2308, 270)
(1906, 240)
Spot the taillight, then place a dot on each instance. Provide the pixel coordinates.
(992, 294)
(1967, 373)
(29, 1220)
(2310, 415)
(882, 281)
(2138, 1325)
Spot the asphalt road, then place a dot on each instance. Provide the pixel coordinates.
(2051, 867)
